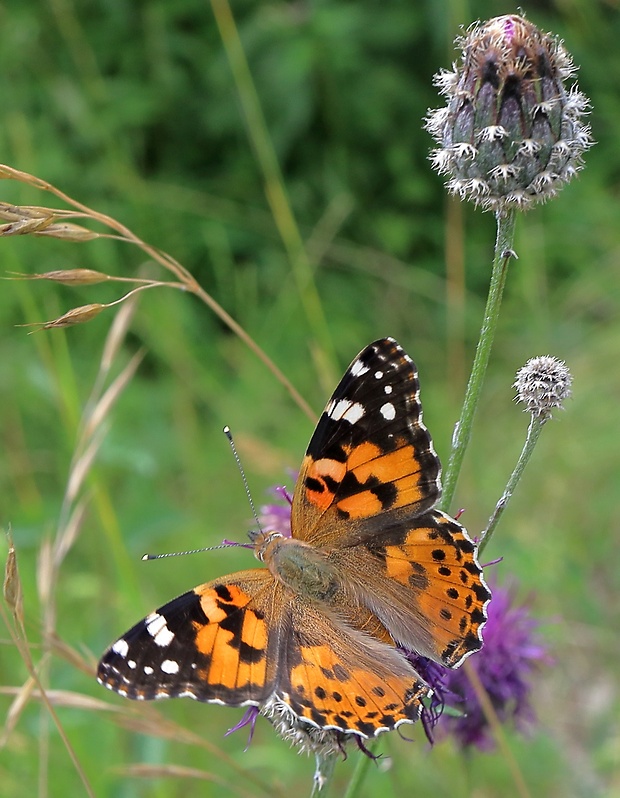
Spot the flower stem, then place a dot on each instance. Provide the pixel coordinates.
(359, 774)
(533, 433)
(503, 253)
(324, 773)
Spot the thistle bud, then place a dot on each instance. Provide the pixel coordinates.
(542, 385)
(512, 133)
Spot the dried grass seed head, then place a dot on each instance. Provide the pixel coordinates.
(512, 132)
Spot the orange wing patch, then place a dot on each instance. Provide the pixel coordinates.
(234, 642)
(330, 691)
(437, 559)
(367, 483)
(322, 478)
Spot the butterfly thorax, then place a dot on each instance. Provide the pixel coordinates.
(304, 569)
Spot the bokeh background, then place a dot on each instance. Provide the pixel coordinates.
(132, 108)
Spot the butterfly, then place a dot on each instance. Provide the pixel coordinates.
(369, 571)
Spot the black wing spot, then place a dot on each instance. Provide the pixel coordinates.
(340, 673)
(223, 592)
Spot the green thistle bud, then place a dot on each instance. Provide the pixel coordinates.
(512, 133)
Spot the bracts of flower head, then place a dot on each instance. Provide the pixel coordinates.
(512, 132)
(543, 384)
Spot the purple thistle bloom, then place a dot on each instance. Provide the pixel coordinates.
(506, 664)
(277, 517)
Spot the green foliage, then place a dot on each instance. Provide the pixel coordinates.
(132, 109)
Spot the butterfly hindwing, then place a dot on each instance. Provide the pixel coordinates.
(427, 586)
(336, 677)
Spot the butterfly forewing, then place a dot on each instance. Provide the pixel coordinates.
(217, 642)
(370, 454)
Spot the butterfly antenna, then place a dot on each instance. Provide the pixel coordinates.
(223, 545)
(228, 434)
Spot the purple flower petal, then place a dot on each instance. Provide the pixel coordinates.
(248, 719)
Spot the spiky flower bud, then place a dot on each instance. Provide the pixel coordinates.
(543, 384)
(512, 133)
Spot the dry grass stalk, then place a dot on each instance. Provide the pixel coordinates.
(180, 772)
(61, 224)
(185, 279)
(22, 697)
(20, 640)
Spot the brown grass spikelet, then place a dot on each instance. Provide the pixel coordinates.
(69, 232)
(25, 226)
(77, 315)
(66, 276)
(12, 587)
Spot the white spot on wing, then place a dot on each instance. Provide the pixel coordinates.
(156, 627)
(378, 375)
(121, 647)
(388, 389)
(170, 666)
(148, 670)
(131, 663)
(358, 368)
(345, 410)
(388, 411)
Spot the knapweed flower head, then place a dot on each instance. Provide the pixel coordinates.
(276, 516)
(512, 132)
(543, 384)
(506, 667)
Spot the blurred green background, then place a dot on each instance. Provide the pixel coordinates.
(132, 108)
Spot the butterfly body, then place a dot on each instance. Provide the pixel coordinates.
(303, 569)
(369, 569)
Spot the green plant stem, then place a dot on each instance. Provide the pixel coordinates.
(533, 433)
(325, 766)
(360, 771)
(503, 253)
(275, 190)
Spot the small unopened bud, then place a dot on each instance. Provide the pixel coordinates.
(542, 385)
(512, 133)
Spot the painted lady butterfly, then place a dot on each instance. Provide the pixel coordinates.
(370, 568)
